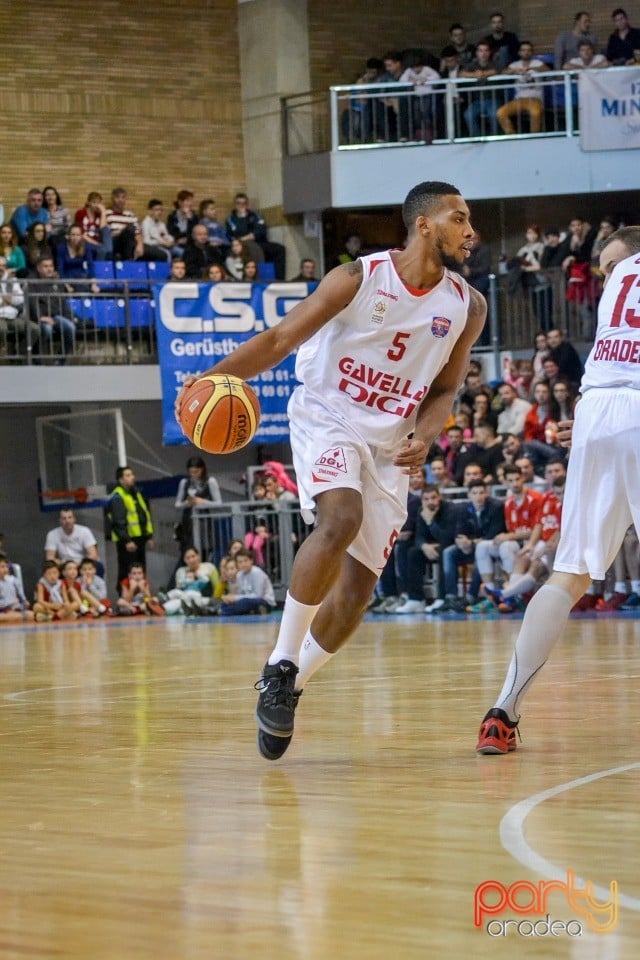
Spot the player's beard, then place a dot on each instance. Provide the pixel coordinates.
(447, 259)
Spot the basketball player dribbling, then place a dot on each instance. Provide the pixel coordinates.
(602, 493)
(384, 347)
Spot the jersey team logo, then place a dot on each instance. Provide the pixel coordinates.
(379, 309)
(440, 327)
(329, 465)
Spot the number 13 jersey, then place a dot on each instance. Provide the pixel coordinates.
(614, 360)
(373, 364)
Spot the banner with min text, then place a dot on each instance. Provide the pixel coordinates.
(197, 324)
(610, 109)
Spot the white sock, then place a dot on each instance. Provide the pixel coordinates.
(519, 584)
(635, 586)
(620, 587)
(312, 657)
(543, 623)
(296, 620)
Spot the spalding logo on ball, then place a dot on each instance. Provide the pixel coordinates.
(220, 413)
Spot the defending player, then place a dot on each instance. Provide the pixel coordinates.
(602, 494)
(384, 347)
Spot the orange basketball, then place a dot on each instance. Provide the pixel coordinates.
(220, 413)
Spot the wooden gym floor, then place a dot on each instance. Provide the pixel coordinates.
(138, 821)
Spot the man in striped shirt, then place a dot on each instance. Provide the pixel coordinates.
(124, 226)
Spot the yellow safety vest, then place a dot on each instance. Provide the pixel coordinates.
(133, 519)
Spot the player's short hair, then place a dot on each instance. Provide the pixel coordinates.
(423, 199)
(630, 236)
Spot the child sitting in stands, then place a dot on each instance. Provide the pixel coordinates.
(136, 598)
(13, 603)
(254, 593)
(49, 603)
(93, 591)
(71, 587)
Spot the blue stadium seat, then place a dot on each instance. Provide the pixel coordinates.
(103, 270)
(140, 313)
(82, 308)
(135, 272)
(157, 271)
(266, 271)
(109, 313)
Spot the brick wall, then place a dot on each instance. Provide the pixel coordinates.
(136, 93)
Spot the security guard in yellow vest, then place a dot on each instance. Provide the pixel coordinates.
(131, 524)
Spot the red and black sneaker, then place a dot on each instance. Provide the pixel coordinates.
(497, 733)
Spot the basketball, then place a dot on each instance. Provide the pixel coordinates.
(220, 413)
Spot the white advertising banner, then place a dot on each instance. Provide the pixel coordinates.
(610, 109)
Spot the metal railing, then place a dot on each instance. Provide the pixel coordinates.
(357, 116)
(82, 321)
(279, 525)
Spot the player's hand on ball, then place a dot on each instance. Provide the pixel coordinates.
(180, 398)
(413, 453)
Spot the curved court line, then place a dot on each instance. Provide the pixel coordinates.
(513, 840)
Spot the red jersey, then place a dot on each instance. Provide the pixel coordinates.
(526, 515)
(89, 223)
(550, 515)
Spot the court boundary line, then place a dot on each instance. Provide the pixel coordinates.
(513, 839)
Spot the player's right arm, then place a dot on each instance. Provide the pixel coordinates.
(265, 350)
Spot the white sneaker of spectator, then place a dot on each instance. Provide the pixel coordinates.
(435, 606)
(411, 606)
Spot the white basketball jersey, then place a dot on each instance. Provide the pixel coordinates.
(373, 364)
(614, 360)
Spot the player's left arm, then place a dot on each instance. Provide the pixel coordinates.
(436, 406)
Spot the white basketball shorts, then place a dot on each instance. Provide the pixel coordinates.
(329, 454)
(602, 495)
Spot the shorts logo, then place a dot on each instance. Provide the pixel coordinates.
(440, 327)
(379, 309)
(334, 459)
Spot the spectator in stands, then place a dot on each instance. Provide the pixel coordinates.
(554, 251)
(566, 356)
(563, 401)
(550, 370)
(450, 70)
(535, 559)
(254, 589)
(196, 584)
(624, 40)
(357, 119)
(29, 213)
(541, 352)
(37, 246)
(249, 226)
(455, 449)
(71, 541)
(482, 105)
(59, 216)
(482, 411)
(441, 477)
(521, 512)
(528, 96)
(196, 491)
(93, 590)
(92, 220)
(568, 42)
(182, 218)
(198, 253)
(154, 231)
(75, 257)
(238, 256)
(607, 226)
(275, 490)
(463, 420)
(352, 249)
(514, 411)
(578, 246)
(71, 587)
(217, 274)
(481, 519)
(391, 113)
(472, 472)
(130, 521)
(257, 540)
(477, 267)
(485, 450)
(531, 479)
(519, 374)
(587, 59)
(539, 415)
(435, 529)
(13, 603)
(178, 271)
(12, 322)
(49, 304)
(136, 595)
(472, 386)
(124, 227)
(465, 51)
(250, 272)
(307, 271)
(49, 603)
(503, 44)
(420, 114)
(12, 251)
(218, 237)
